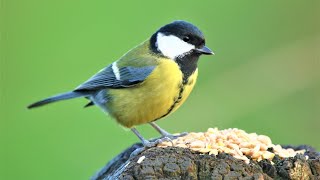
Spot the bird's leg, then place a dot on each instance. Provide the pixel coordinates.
(164, 133)
(145, 142)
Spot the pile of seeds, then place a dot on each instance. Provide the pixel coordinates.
(236, 142)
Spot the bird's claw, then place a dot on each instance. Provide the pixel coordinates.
(171, 136)
(153, 143)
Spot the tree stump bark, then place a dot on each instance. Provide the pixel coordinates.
(182, 163)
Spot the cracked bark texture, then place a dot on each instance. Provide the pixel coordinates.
(182, 163)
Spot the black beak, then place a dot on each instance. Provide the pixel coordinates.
(204, 50)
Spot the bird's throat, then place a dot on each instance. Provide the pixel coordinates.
(188, 65)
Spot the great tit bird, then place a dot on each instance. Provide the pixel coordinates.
(149, 82)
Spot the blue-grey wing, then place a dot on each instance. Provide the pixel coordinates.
(110, 77)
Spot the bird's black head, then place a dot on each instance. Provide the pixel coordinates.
(179, 39)
(182, 42)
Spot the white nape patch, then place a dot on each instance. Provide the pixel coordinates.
(172, 46)
(141, 159)
(115, 70)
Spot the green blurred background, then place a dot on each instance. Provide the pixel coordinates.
(264, 78)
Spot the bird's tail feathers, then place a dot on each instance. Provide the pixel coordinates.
(59, 97)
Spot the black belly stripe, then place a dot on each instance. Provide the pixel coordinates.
(188, 65)
(176, 101)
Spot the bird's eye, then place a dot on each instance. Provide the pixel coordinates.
(186, 38)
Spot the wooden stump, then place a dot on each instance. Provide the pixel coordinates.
(182, 163)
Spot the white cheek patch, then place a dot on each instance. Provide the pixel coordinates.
(172, 46)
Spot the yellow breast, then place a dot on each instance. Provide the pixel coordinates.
(159, 95)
